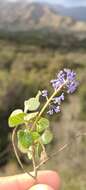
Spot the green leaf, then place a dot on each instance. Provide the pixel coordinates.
(16, 118)
(30, 116)
(24, 138)
(38, 150)
(42, 124)
(35, 135)
(33, 103)
(47, 137)
(22, 149)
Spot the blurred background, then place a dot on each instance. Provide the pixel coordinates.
(37, 39)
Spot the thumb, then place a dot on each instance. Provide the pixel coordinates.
(41, 187)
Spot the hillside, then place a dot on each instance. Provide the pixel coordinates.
(77, 13)
(20, 16)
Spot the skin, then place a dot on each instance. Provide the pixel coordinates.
(46, 180)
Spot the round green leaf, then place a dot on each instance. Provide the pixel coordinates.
(33, 103)
(24, 138)
(35, 135)
(16, 118)
(42, 124)
(22, 148)
(47, 137)
(30, 116)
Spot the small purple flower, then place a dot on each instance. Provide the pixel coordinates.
(56, 83)
(53, 109)
(58, 99)
(50, 112)
(70, 75)
(61, 75)
(62, 97)
(72, 87)
(57, 109)
(44, 93)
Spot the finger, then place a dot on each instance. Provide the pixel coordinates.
(41, 187)
(50, 178)
(23, 181)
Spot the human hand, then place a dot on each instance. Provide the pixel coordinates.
(46, 180)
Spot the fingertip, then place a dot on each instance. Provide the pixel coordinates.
(41, 187)
(50, 178)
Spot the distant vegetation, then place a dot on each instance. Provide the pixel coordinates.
(83, 102)
(44, 38)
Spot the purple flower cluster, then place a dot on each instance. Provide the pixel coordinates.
(67, 76)
(55, 105)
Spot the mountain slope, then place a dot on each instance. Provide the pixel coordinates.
(77, 13)
(18, 16)
(21, 16)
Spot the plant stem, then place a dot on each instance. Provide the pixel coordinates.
(33, 160)
(47, 103)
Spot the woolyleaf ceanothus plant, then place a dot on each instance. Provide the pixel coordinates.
(31, 127)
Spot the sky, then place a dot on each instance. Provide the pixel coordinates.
(62, 2)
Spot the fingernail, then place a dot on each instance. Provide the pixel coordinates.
(41, 187)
